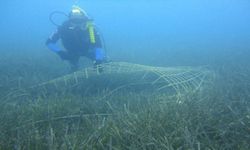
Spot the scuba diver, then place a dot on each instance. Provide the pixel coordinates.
(79, 37)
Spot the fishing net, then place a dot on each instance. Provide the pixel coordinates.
(122, 77)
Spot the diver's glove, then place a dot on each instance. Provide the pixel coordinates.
(98, 66)
(99, 59)
(53, 47)
(97, 62)
(99, 55)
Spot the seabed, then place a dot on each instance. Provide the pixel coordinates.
(125, 106)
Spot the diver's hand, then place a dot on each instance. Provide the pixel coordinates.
(97, 62)
(99, 54)
(53, 47)
(97, 66)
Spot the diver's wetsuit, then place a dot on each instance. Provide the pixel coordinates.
(76, 41)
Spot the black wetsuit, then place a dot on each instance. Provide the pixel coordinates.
(76, 41)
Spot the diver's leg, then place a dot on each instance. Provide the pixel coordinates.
(90, 55)
(72, 58)
(74, 62)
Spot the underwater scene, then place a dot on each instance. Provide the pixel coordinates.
(125, 75)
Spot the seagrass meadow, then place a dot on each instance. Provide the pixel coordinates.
(127, 106)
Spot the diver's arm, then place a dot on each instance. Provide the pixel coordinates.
(52, 40)
(98, 41)
(51, 43)
(100, 55)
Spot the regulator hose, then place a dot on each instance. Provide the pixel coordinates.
(52, 15)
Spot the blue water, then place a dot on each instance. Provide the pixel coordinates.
(170, 32)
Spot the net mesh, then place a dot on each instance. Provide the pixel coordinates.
(114, 77)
